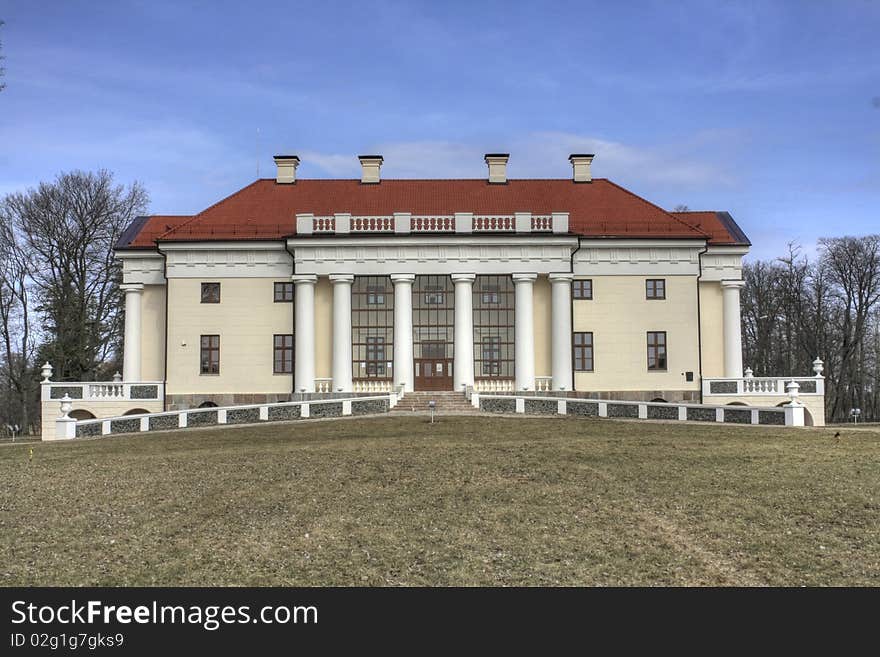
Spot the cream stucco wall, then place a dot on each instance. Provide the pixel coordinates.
(815, 404)
(543, 328)
(712, 328)
(51, 410)
(245, 319)
(619, 317)
(153, 333)
(323, 328)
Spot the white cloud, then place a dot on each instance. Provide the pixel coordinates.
(538, 155)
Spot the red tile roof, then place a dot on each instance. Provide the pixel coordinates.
(720, 226)
(267, 210)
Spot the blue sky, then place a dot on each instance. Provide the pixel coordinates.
(768, 110)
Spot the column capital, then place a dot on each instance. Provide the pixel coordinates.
(403, 278)
(733, 284)
(132, 287)
(524, 278)
(561, 278)
(341, 278)
(463, 278)
(304, 278)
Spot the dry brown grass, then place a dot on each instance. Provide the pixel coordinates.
(469, 500)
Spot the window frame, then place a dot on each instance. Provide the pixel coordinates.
(204, 287)
(285, 349)
(210, 349)
(375, 347)
(285, 286)
(577, 289)
(648, 289)
(661, 346)
(580, 351)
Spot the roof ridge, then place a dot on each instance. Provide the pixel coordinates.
(210, 207)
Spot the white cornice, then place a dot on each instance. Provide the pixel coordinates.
(242, 245)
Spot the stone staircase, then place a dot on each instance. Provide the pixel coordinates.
(448, 402)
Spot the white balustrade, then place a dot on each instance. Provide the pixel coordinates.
(523, 222)
(324, 224)
(542, 223)
(432, 223)
(494, 223)
(493, 385)
(762, 385)
(106, 391)
(370, 385)
(80, 391)
(323, 385)
(366, 224)
(543, 383)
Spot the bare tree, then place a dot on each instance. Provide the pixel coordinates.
(794, 310)
(16, 331)
(853, 265)
(68, 229)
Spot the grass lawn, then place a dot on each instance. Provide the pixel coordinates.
(469, 500)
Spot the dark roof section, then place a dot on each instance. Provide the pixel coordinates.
(267, 211)
(131, 232)
(720, 226)
(143, 231)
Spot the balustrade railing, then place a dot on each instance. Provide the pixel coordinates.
(432, 224)
(489, 223)
(103, 390)
(494, 385)
(372, 224)
(543, 383)
(542, 223)
(324, 224)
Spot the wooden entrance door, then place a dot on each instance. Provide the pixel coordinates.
(433, 374)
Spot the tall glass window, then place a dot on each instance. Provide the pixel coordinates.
(372, 327)
(494, 314)
(433, 332)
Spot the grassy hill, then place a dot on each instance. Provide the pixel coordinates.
(469, 500)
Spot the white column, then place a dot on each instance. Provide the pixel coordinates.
(463, 364)
(131, 348)
(732, 332)
(342, 332)
(403, 330)
(304, 333)
(560, 319)
(525, 332)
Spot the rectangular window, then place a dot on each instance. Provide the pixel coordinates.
(210, 292)
(491, 355)
(583, 352)
(372, 328)
(283, 360)
(375, 296)
(433, 349)
(376, 356)
(655, 288)
(210, 354)
(582, 289)
(490, 295)
(434, 297)
(656, 350)
(283, 292)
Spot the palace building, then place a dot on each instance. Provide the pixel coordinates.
(291, 287)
